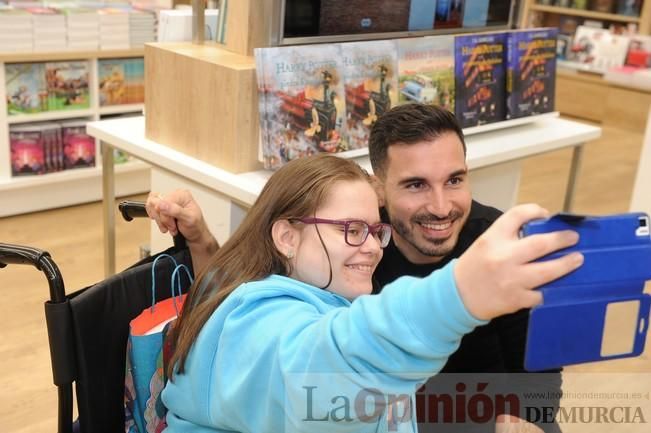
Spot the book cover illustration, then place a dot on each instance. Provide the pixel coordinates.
(371, 83)
(67, 85)
(599, 49)
(121, 81)
(480, 81)
(135, 76)
(25, 88)
(112, 82)
(639, 52)
(304, 98)
(261, 80)
(27, 151)
(531, 72)
(52, 146)
(426, 71)
(78, 147)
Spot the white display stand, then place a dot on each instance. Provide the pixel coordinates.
(493, 160)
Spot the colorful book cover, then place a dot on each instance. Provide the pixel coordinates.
(27, 152)
(50, 138)
(426, 70)
(135, 76)
(260, 60)
(371, 82)
(67, 85)
(26, 88)
(112, 82)
(480, 78)
(531, 72)
(639, 52)
(599, 49)
(304, 97)
(78, 147)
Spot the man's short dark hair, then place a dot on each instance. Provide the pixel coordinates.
(409, 124)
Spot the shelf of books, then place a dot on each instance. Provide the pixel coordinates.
(46, 158)
(325, 98)
(586, 13)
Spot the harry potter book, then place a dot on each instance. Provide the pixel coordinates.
(303, 102)
(426, 70)
(480, 78)
(371, 81)
(531, 72)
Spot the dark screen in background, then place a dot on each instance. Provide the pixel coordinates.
(311, 18)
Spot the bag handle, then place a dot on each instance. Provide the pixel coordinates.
(176, 283)
(153, 277)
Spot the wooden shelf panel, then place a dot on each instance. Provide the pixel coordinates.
(120, 109)
(69, 55)
(585, 13)
(49, 115)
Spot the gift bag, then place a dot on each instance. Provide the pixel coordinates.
(145, 375)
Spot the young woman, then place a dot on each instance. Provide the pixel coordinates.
(270, 339)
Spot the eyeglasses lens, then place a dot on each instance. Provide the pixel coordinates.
(356, 233)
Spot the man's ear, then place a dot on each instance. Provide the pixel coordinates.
(286, 237)
(378, 186)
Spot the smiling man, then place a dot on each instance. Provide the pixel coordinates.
(418, 155)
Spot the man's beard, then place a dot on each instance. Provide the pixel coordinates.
(428, 247)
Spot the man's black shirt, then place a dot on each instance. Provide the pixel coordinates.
(498, 346)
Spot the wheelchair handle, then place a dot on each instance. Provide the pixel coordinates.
(21, 255)
(136, 209)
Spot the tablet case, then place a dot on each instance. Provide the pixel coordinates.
(569, 326)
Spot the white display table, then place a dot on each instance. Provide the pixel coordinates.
(493, 160)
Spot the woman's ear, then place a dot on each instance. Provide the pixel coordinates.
(286, 237)
(378, 186)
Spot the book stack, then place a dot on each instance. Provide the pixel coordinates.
(83, 29)
(49, 29)
(142, 27)
(78, 146)
(113, 29)
(15, 30)
(49, 147)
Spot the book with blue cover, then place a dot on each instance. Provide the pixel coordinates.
(531, 72)
(480, 80)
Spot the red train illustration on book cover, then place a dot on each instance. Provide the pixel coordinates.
(301, 101)
(371, 82)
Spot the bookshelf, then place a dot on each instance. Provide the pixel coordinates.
(551, 14)
(40, 192)
(587, 95)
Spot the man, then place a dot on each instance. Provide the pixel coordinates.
(418, 155)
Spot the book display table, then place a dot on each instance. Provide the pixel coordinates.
(493, 158)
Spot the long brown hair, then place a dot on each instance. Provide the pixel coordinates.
(296, 190)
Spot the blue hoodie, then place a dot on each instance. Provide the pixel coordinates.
(279, 355)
